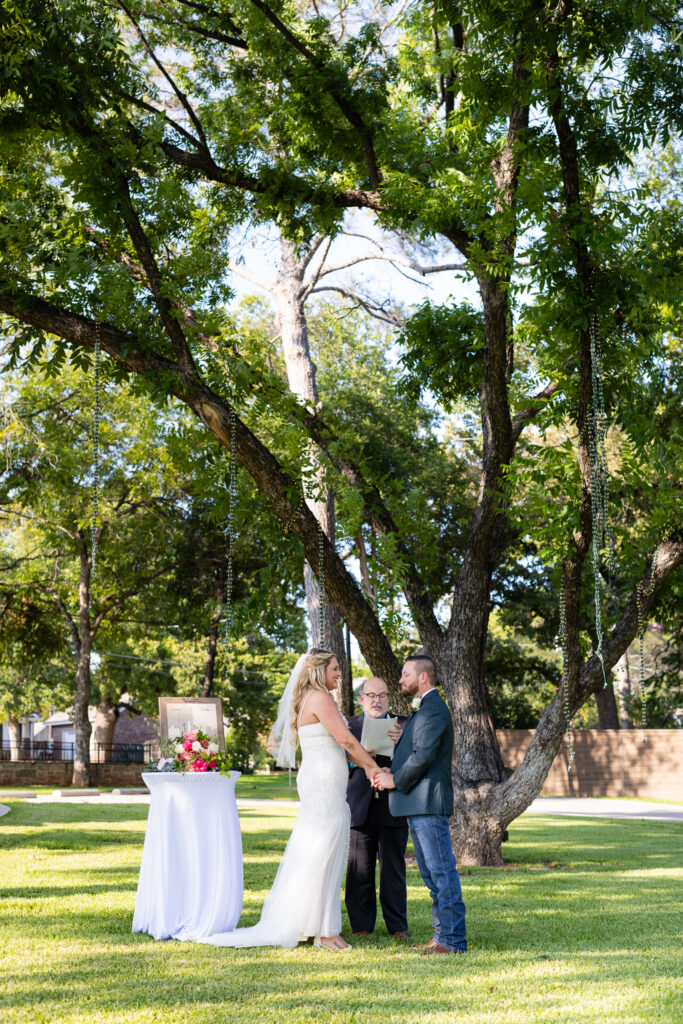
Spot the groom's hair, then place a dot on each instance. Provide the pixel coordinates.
(423, 663)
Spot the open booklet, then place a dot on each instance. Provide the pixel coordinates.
(374, 736)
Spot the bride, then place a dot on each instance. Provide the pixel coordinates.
(305, 899)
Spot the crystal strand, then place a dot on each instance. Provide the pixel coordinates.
(565, 679)
(321, 583)
(96, 456)
(229, 610)
(641, 593)
(599, 482)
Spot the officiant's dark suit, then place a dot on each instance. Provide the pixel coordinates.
(375, 833)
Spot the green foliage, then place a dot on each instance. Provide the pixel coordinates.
(407, 113)
(443, 352)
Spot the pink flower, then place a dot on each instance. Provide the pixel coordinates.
(191, 736)
(212, 763)
(205, 744)
(187, 744)
(200, 766)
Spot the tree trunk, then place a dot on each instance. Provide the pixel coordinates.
(82, 727)
(622, 683)
(106, 717)
(608, 713)
(289, 295)
(212, 649)
(14, 729)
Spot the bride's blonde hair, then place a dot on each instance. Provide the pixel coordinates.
(311, 677)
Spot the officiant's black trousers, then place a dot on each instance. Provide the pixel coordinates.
(369, 842)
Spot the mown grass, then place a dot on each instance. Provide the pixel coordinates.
(583, 926)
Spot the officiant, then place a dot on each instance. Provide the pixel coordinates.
(375, 833)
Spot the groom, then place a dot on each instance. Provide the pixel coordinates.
(422, 789)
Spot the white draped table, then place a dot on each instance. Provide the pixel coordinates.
(190, 882)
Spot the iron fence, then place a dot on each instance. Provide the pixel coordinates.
(54, 750)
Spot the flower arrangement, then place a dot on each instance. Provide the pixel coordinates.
(194, 752)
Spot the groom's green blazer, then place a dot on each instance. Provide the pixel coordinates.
(422, 761)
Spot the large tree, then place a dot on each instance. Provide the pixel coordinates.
(137, 136)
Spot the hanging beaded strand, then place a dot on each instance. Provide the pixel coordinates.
(599, 475)
(97, 410)
(321, 584)
(565, 679)
(232, 490)
(641, 593)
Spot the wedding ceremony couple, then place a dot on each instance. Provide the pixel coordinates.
(305, 899)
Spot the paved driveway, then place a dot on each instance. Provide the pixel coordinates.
(592, 807)
(603, 807)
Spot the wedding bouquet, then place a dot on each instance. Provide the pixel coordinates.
(193, 752)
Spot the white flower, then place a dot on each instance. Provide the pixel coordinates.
(163, 761)
(179, 748)
(213, 747)
(196, 745)
(415, 703)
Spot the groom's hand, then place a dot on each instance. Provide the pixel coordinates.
(383, 780)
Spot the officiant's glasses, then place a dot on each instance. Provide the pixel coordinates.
(372, 697)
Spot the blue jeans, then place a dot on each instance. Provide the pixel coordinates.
(434, 853)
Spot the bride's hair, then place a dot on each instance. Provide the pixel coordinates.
(311, 677)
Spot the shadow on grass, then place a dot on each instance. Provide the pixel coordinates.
(212, 984)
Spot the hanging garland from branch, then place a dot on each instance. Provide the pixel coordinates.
(642, 592)
(564, 686)
(232, 491)
(97, 413)
(321, 585)
(603, 538)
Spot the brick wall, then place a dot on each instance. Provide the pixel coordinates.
(609, 762)
(58, 774)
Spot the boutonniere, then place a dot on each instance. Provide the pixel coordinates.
(415, 704)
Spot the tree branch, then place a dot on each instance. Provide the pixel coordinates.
(182, 98)
(347, 108)
(153, 275)
(187, 314)
(143, 105)
(525, 784)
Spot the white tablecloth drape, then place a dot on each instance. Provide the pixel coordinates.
(190, 882)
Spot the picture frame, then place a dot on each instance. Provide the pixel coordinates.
(178, 715)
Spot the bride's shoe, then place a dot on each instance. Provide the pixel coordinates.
(334, 943)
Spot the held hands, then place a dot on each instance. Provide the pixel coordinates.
(383, 779)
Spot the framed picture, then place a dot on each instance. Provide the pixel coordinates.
(178, 715)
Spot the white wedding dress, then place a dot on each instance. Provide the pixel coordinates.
(305, 899)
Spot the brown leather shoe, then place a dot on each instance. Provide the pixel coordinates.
(401, 936)
(356, 934)
(438, 950)
(425, 945)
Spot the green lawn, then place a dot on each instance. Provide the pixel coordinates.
(263, 787)
(582, 927)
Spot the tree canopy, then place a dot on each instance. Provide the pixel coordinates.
(524, 141)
